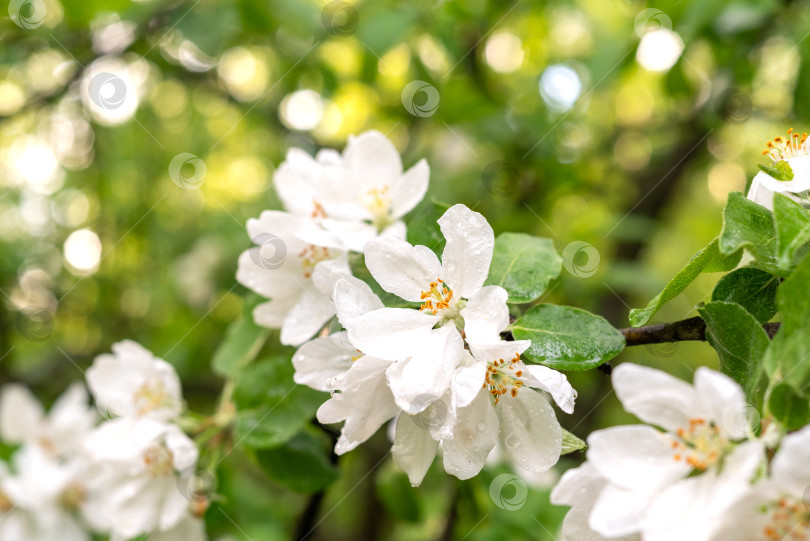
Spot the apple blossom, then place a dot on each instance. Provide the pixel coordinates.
(789, 174)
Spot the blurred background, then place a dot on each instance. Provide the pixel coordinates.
(136, 138)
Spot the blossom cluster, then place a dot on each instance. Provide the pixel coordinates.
(113, 469)
(698, 469)
(436, 362)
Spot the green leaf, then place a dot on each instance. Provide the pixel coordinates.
(567, 338)
(753, 289)
(780, 170)
(243, 341)
(748, 225)
(302, 464)
(523, 265)
(740, 342)
(708, 259)
(788, 358)
(790, 408)
(423, 227)
(571, 443)
(271, 407)
(792, 229)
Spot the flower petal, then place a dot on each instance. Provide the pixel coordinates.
(407, 191)
(578, 486)
(635, 457)
(307, 317)
(400, 268)
(759, 194)
(413, 449)
(468, 252)
(553, 382)
(790, 465)
(723, 401)
(271, 314)
(21, 414)
(474, 435)
(295, 181)
(486, 315)
(320, 360)
(373, 160)
(801, 177)
(390, 333)
(618, 511)
(326, 273)
(425, 375)
(353, 297)
(530, 432)
(654, 396)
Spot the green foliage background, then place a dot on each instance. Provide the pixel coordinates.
(639, 168)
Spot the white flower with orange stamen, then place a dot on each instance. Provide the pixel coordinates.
(298, 277)
(133, 382)
(493, 397)
(672, 482)
(776, 508)
(789, 174)
(456, 307)
(354, 197)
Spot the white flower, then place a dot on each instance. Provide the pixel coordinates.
(297, 276)
(792, 150)
(133, 382)
(23, 420)
(653, 480)
(469, 420)
(354, 197)
(189, 528)
(135, 469)
(360, 393)
(776, 507)
(426, 344)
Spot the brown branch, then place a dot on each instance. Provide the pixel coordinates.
(693, 328)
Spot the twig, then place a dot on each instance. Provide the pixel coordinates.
(693, 328)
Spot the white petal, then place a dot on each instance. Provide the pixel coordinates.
(555, 383)
(530, 432)
(271, 314)
(189, 528)
(268, 282)
(71, 418)
(578, 486)
(307, 317)
(576, 528)
(654, 396)
(758, 193)
(468, 252)
(390, 333)
(320, 360)
(425, 376)
(474, 435)
(791, 465)
(723, 400)
(295, 179)
(409, 189)
(636, 457)
(618, 511)
(801, 177)
(326, 273)
(402, 269)
(486, 315)
(353, 297)
(413, 449)
(468, 380)
(20, 414)
(372, 159)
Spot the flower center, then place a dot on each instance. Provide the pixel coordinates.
(438, 300)
(6, 504)
(159, 460)
(789, 520)
(318, 211)
(378, 204)
(311, 256)
(152, 395)
(788, 147)
(73, 496)
(504, 377)
(700, 445)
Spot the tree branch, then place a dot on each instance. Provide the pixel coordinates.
(693, 328)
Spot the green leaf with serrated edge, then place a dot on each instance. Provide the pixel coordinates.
(740, 342)
(749, 225)
(243, 341)
(567, 338)
(302, 464)
(792, 229)
(788, 357)
(523, 265)
(708, 259)
(571, 443)
(780, 170)
(753, 289)
(271, 407)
